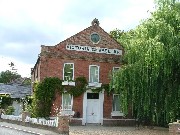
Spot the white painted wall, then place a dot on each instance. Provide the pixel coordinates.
(18, 106)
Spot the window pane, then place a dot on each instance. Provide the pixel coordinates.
(66, 101)
(92, 95)
(94, 74)
(68, 72)
(115, 69)
(116, 103)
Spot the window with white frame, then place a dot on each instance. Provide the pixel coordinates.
(67, 101)
(93, 73)
(68, 72)
(115, 69)
(116, 103)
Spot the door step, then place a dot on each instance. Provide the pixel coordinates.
(93, 124)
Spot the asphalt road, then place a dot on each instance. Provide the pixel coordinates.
(14, 129)
(9, 131)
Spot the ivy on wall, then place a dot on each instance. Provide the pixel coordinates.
(44, 93)
(79, 88)
(43, 96)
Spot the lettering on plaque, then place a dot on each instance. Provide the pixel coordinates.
(94, 49)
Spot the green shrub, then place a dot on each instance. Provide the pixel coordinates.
(9, 110)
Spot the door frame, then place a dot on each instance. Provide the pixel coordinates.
(101, 101)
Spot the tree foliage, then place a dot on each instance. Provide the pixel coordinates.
(149, 81)
(27, 81)
(116, 34)
(8, 76)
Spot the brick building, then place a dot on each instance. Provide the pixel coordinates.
(91, 53)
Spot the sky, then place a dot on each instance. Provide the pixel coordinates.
(25, 25)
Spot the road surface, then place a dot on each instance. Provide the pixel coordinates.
(11, 131)
(14, 129)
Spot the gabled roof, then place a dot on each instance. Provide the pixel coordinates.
(15, 90)
(82, 38)
(107, 40)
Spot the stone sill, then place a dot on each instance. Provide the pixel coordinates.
(68, 83)
(67, 113)
(95, 84)
(116, 113)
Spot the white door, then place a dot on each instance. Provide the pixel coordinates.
(93, 108)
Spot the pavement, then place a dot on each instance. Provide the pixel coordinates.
(103, 130)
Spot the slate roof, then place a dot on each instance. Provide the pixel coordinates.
(15, 90)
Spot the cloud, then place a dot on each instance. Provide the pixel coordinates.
(22, 68)
(26, 25)
(23, 43)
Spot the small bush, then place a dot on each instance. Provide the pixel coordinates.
(9, 110)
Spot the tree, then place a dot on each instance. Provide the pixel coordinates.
(27, 81)
(116, 34)
(8, 76)
(149, 81)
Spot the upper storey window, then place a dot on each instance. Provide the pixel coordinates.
(93, 73)
(68, 72)
(115, 69)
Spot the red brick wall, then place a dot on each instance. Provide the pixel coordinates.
(56, 104)
(78, 105)
(107, 108)
(174, 128)
(52, 59)
(53, 67)
(35, 72)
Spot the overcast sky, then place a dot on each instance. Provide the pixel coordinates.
(25, 25)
